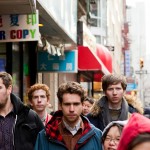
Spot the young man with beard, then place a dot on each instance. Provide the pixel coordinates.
(68, 129)
(19, 125)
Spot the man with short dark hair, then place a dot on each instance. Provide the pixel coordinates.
(19, 125)
(68, 129)
(113, 106)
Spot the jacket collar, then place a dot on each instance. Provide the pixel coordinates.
(52, 131)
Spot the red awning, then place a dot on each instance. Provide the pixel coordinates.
(90, 61)
(87, 60)
(104, 55)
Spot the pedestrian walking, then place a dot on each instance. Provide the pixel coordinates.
(68, 129)
(39, 99)
(112, 106)
(19, 125)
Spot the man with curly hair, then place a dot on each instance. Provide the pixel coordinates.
(68, 129)
(39, 98)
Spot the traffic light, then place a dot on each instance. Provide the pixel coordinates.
(141, 63)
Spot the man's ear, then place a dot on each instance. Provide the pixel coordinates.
(48, 100)
(30, 102)
(124, 92)
(9, 88)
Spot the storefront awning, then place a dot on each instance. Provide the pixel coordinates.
(51, 29)
(89, 61)
(105, 56)
(17, 7)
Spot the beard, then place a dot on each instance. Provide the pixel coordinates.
(3, 103)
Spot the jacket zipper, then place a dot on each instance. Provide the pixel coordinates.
(13, 132)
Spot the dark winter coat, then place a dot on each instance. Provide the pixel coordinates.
(97, 118)
(27, 125)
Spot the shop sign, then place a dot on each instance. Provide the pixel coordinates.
(16, 28)
(127, 63)
(49, 63)
(131, 86)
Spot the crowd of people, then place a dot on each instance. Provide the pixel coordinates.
(116, 121)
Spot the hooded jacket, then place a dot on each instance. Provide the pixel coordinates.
(51, 139)
(122, 123)
(97, 117)
(137, 124)
(106, 130)
(27, 125)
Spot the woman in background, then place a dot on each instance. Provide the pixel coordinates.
(87, 105)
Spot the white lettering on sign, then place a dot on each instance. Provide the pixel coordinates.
(68, 66)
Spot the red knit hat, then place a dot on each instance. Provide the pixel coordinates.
(137, 124)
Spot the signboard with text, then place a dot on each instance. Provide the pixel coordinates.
(131, 86)
(49, 63)
(16, 28)
(127, 63)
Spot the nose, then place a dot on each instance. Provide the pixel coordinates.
(114, 91)
(84, 107)
(71, 108)
(39, 99)
(112, 142)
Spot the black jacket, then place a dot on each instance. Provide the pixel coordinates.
(27, 125)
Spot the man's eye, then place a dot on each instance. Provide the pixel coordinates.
(118, 89)
(43, 96)
(66, 104)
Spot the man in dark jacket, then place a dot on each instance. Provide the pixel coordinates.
(68, 129)
(19, 125)
(113, 106)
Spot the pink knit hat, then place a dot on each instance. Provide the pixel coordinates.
(137, 124)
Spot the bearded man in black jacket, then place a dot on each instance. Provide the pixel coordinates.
(19, 125)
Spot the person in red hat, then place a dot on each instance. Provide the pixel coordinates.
(136, 134)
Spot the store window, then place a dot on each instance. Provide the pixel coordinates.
(2, 57)
(85, 79)
(16, 68)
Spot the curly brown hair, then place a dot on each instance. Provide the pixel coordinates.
(38, 86)
(72, 88)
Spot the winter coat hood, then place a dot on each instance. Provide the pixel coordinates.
(137, 124)
(96, 109)
(122, 123)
